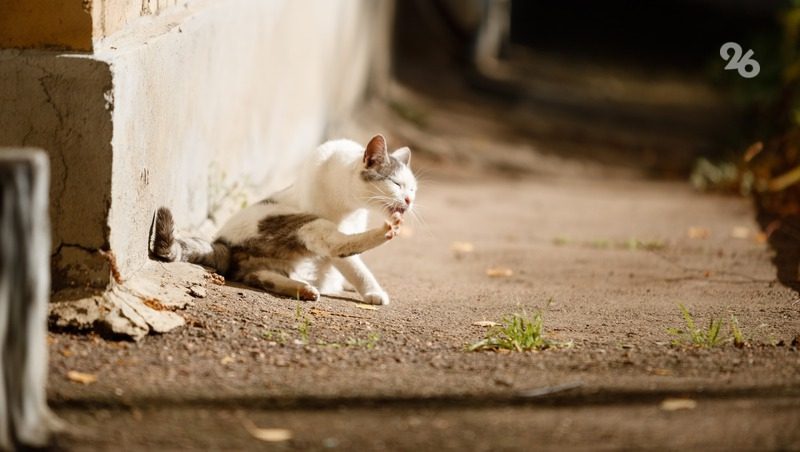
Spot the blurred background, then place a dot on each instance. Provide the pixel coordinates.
(618, 88)
(625, 83)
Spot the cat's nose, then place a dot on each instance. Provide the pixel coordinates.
(408, 200)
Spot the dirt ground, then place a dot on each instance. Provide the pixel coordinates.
(333, 369)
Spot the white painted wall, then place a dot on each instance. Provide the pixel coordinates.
(180, 107)
(227, 95)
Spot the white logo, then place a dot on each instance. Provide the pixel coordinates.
(739, 62)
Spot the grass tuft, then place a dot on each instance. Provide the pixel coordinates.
(303, 324)
(369, 343)
(517, 332)
(708, 337)
(738, 337)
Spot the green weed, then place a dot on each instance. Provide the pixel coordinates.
(303, 324)
(517, 332)
(369, 343)
(647, 245)
(738, 337)
(277, 336)
(632, 244)
(560, 241)
(711, 336)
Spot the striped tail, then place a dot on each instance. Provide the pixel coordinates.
(167, 246)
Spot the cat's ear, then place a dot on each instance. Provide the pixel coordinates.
(375, 153)
(403, 155)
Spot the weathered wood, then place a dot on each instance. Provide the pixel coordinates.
(25, 419)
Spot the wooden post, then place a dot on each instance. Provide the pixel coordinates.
(25, 420)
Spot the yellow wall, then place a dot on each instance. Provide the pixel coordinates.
(70, 24)
(62, 24)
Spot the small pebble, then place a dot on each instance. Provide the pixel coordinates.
(198, 291)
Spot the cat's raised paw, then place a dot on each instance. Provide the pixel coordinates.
(392, 225)
(379, 298)
(308, 293)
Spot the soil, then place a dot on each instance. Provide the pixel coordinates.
(567, 243)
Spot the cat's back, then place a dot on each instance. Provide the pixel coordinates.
(343, 150)
(246, 223)
(323, 177)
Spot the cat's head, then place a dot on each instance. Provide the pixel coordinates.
(388, 184)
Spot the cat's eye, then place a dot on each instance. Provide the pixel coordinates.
(395, 182)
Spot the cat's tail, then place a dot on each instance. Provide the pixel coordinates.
(167, 245)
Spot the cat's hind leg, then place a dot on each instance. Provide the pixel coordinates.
(277, 283)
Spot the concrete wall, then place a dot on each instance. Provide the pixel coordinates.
(192, 108)
(112, 16)
(236, 94)
(57, 102)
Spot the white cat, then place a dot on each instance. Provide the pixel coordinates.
(321, 219)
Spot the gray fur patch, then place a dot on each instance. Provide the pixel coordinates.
(164, 238)
(381, 170)
(276, 248)
(282, 229)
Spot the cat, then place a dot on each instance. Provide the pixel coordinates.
(319, 220)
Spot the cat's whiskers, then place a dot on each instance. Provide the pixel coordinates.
(421, 221)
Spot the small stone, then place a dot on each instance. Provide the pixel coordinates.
(198, 291)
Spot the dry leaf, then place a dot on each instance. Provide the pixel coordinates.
(226, 360)
(152, 303)
(462, 247)
(368, 307)
(318, 312)
(499, 272)
(80, 377)
(753, 150)
(270, 435)
(698, 232)
(740, 232)
(216, 278)
(485, 323)
(660, 371)
(678, 404)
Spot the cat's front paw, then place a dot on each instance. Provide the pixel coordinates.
(392, 225)
(379, 298)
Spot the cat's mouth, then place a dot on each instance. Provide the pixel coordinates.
(396, 209)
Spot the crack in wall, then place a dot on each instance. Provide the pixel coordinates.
(86, 249)
(41, 80)
(55, 132)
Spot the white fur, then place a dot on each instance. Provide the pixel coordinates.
(329, 185)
